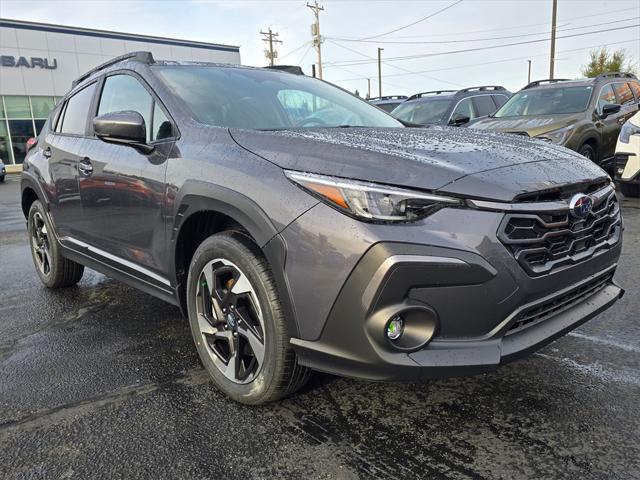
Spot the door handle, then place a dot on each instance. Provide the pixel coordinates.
(85, 166)
(47, 152)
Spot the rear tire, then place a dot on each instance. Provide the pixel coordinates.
(630, 189)
(229, 275)
(54, 270)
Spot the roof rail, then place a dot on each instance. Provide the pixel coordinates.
(295, 69)
(616, 75)
(388, 97)
(144, 57)
(482, 89)
(433, 92)
(537, 83)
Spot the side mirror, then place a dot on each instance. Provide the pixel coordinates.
(610, 109)
(459, 119)
(125, 127)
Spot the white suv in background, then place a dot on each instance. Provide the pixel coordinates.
(628, 157)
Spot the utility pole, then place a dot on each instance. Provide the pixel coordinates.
(271, 38)
(380, 71)
(552, 59)
(368, 88)
(315, 32)
(529, 74)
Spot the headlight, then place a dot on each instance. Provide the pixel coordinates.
(370, 201)
(557, 136)
(627, 130)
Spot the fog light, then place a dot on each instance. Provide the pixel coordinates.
(395, 328)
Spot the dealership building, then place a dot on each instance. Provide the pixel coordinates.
(39, 61)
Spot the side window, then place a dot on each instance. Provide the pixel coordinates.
(124, 92)
(624, 94)
(635, 86)
(483, 105)
(606, 96)
(76, 111)
(161, 125)
(500, 100)
(464, 108)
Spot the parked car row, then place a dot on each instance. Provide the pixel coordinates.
(584, 115)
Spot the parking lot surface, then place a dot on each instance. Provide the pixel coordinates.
(102, 381)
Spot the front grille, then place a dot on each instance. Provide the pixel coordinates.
(542, 242)
(542, 311)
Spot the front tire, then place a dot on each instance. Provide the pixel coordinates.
(237, 321)
(54, 270)
(587, 151)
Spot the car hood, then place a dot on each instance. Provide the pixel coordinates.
(532, 125)
(425, 158)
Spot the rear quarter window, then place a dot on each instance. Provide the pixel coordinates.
(635, 87)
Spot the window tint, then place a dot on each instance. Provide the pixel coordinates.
(500, 100)
(624, 94)
(251, 98)
(635, 86)
(464, 108)
(606, 96)
(161, 124)
(77, 111)
(484, 105)
(124, 92)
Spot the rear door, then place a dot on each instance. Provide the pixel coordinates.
(122, 187)
(63, 147)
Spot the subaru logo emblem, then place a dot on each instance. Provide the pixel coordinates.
(580, 205)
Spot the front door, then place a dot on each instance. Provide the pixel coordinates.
(610, 126)
(122, 188)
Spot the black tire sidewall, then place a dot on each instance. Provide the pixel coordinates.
(48, 280)
(231, 248)
(587, 148)
(631, 190)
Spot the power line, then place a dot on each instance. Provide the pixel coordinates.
(477, 49)
(294, 50)
(395, 66)
(305, 54)
(431, 15)
(480, 39)
(505, 60)
(515, 27)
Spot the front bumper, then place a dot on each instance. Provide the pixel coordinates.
(468, 280)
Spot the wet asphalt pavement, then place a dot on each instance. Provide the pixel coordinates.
(102, 381)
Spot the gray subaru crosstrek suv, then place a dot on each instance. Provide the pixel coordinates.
(300, 228)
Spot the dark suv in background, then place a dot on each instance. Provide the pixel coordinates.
(298, 227)
(451, 107)
(387, 103)
(583, 115)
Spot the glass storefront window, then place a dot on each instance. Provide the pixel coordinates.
(21, 131)
(39, 123)
(41, 106)
(4, 142)
(17, 107)
(19, 116)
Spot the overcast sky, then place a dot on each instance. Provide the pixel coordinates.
(463, 25)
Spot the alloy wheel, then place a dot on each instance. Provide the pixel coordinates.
(230, 321)
(40, 243)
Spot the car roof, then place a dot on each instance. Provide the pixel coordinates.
(579, 82)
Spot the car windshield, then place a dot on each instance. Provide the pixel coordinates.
(267, 100)
(423, 112)
(547, 101)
